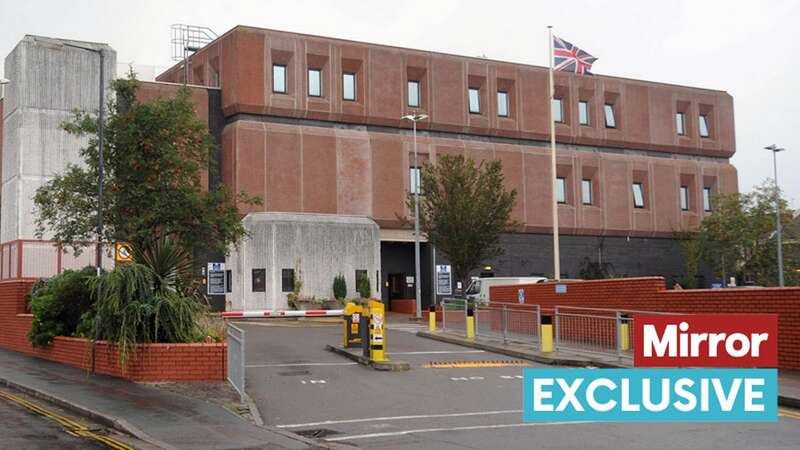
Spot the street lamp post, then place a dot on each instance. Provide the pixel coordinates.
(775, 149)
(414, 118)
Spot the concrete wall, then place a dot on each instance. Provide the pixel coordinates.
(48, 81)
(320, 245)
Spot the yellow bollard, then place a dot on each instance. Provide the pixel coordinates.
(432, 319)
(470, 323)
(625, 337)
(351, 317)
(546, 342)
(377, 341)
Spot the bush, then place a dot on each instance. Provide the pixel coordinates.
(339, 287)
(365, 289)
(138, 306)
(59, 305)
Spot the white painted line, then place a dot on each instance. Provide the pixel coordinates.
(433, 430)
(437, 352)
(303, 364)
(383, 419)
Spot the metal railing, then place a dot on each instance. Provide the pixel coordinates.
(236, 361)
(596, 330)
(454, 314)
(509, 324)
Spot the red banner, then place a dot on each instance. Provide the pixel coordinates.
(705, 340)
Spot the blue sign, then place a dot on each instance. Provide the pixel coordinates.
(561, 289)
(716, 285)
(650, 395)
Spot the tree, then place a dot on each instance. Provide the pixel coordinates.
(464, 209)
(738, 238)
(154, 154)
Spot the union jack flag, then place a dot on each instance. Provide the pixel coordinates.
(569, 58)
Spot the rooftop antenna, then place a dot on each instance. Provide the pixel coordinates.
(186, 40)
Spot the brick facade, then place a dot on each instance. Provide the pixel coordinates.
(649, 294)
(152, 362)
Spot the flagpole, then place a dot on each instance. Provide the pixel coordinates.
(556, 253)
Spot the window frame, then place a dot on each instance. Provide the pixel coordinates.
(561, 182)
(560, 102)
(354, 76)
(258, 274)
(415, 183)
(683, 198)
(707, 197)
(283, 280)
(477, 91)
(680, 130)
(319, 81)
(641, 194)
(606, 108)
(504, 103)
(285, 81)
(702, 126)
(583, 108)
(584, 191)
(418, 94)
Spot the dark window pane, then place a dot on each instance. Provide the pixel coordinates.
(287, 280)
(259, 280)
(360, 275)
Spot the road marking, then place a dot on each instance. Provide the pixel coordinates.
(302, 364)
(434, 430)
(466, 378)
(70, 426)
(313, 381)
(789, 413)
(383, 419)
(473, 364)
(437, 352)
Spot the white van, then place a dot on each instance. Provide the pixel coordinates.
(478, 289)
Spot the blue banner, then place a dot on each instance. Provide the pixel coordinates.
(650, 395)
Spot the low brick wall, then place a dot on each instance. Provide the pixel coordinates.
(649, 294)
(151, 362)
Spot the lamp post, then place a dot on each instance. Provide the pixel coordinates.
(775, 149)
(414, 118)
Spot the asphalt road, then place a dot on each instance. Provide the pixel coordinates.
(23, 429)
(299, 386)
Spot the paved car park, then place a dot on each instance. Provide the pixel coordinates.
(299, 386)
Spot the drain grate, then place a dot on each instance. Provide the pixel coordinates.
(474, 364)
(293, 373)
(318, 432)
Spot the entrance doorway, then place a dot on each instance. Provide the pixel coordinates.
(398, 285)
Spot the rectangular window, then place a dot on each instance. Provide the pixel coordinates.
(414, 180)
(287, 280)
(583, 112)
(349, 86)
(278, 78)
(703, 125)
(360, 275)
(413, 94)
(259, 280)
(586, 192)
(502, 104)
(707, 199)
(611, 121)
(561, 190)
(680, 124)
(314, 83)
(474, 101)
(638, 195)
(558, 110)
(684, 194)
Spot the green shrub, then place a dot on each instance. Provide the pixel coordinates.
(365, 289)
(339, 287)
(59, 304)
(137, 306)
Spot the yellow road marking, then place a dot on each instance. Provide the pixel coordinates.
(473, 364)
(789, 413)
(72, 427)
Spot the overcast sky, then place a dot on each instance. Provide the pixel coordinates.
(749, 49)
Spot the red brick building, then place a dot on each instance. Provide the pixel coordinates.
(313, 125)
